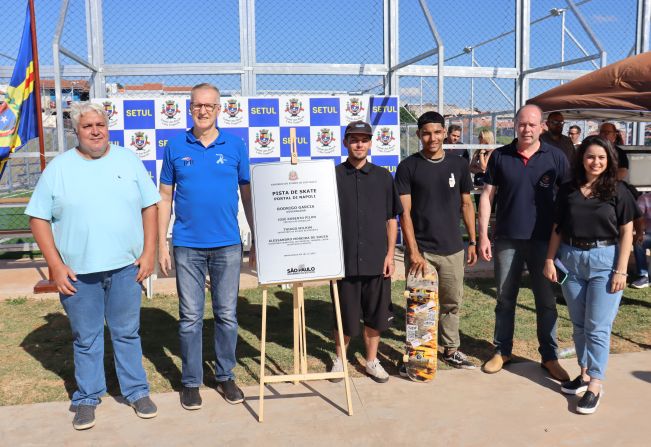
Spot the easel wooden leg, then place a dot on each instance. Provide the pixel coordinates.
(302, 329)
(297, 343)
(263, 339)
(340, 334)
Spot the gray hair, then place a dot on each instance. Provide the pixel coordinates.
(202, 86)
(77, 109)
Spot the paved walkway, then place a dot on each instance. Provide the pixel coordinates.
(519, 406)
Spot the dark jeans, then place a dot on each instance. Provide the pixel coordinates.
(510, 257)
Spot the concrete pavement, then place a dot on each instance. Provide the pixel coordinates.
(519, 406)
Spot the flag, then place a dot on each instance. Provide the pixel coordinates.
(18, 119)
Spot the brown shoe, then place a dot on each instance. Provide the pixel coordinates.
(496, 363)
(555, 370)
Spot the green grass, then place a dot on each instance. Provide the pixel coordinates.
(36, 343)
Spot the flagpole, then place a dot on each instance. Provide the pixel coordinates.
(37, 86)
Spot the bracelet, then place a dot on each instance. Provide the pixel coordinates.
(619, 273)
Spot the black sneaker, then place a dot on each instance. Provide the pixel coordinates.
(190, 398)
(576, 386)
(84, 417)
(231, 392)
(588, 403)
(145, 408)
(458, 359)
(403, 371)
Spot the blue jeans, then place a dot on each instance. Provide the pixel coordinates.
(223, 266)
(113, 296)
(592, 307)
(639, 251)
(510, 257)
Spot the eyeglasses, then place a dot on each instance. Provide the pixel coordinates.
(557, 123)
(195, 107)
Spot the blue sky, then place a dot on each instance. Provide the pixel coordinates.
(337, 31)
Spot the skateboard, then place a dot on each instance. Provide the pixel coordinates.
(422, 317)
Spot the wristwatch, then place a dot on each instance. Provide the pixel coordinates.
(473, 243)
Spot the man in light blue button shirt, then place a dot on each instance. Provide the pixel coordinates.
(93, 214)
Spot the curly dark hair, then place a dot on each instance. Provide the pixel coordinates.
(604, 186)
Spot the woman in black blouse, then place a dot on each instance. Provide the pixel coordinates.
(592, 236)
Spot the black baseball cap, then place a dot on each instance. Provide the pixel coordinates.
(358, 127)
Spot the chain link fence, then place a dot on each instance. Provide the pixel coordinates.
(265, 48)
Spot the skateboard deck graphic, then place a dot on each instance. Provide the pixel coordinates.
(422, 317)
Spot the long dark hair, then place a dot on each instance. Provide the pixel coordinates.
(604, 186)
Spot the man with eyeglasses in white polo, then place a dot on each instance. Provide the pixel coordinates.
(202, 170)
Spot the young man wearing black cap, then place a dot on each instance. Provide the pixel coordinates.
(369, 203)
(435, 190)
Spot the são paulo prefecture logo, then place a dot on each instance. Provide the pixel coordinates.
(7, 120)
(232, 112)
(385, 137)
(139, 141)
(325, 141)
(171, 113)
(294, 111)
(264, 142)
(111, 112)
(354, 109)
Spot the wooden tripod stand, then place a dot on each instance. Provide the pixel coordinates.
(300, 347)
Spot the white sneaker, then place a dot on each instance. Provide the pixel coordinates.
(337, 366)
(376, 372)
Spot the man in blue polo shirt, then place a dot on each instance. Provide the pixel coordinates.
(202, 170)
(525, 174)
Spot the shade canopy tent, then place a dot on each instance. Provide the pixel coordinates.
(619, 91)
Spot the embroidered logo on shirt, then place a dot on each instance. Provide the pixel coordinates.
(451, 180)
(187, 161)
(545, 181)
(220, 159)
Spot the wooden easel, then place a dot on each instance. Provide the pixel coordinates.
(300, 340)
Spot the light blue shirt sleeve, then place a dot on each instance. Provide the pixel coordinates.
(41, 202)
(243, 171)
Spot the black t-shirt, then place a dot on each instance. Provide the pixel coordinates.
(367, 199)
(435, 188)
(622, 158)
(593, 218)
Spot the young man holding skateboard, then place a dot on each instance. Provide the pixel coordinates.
(435, 190)
(369, 203)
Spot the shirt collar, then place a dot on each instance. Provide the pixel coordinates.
(192, 139)
(350, 169)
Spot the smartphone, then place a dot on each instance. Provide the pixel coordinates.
(561, 271)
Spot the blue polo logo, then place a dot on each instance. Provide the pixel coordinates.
(220, 159)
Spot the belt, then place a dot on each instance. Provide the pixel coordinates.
(587, 244)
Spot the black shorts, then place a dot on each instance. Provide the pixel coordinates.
(365, 299)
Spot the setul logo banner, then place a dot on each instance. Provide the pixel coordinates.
(146, 125)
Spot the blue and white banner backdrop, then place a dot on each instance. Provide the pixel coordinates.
(145, 126)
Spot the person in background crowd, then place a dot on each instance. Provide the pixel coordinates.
(575, 135)
(434, 189)
(524, 174)
(609, 132)
(593, 227)
(554, 135)
(369, 204)
(454, 137)
(479, 161)
(93, 215)
(642, 242)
